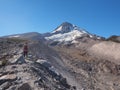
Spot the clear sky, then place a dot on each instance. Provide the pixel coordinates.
(101, 17)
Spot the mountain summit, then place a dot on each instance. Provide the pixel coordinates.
(64, 28)
(68, 32)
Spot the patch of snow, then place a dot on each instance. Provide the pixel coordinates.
(84, 31)
(98, 37)
(91, 36)
(74, 41)
(70, 36)
(14, 36)
(59, 29)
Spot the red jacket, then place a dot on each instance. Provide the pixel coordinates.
(25, 49)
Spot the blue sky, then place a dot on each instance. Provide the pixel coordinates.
(101, 17)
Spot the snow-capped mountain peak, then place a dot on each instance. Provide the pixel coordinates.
(66, 36)
(68, 32)
(64, 28)
(67, 27)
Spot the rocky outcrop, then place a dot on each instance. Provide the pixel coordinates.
(25, 86)
(114, 38)
(32, 76)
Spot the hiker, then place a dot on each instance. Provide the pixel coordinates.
(25, 50)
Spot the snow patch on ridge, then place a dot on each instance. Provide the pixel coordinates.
(14, 36)
(59, 29)
(67, 32)
(70, 36)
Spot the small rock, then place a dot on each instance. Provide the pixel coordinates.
(64, 82)
(7, 78)
(11, 77)
(25, 86)
(20, 60)
(6, 85)
(14, 67)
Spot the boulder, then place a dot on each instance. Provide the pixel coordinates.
(45, 63)
(20, 60)
(25, 86)
(7, 78)
(5, 86)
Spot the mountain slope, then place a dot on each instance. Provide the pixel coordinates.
(114, 38)
(92, 70)
(29, 35)
(106, 50)
(19, 73)
(67, 32)
(69, 58)
(91, 61)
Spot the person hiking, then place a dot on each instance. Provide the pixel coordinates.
(25, 50)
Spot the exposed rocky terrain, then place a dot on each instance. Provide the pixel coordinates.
(32, 73)
(92, 72)
(69, 58)
(114, 38)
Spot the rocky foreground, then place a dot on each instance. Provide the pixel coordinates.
(30, 73)
(24, 74)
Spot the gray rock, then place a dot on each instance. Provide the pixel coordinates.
(5, 86)
(25, 86)
(7, 78)
(20, 60)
